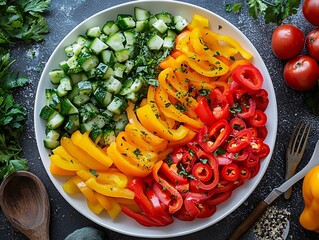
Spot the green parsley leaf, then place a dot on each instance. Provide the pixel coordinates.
(235, 7)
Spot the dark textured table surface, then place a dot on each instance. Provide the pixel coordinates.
(63, 16)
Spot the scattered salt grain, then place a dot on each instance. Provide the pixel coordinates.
(272, 224)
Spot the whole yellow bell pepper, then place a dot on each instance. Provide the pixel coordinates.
(309, 217)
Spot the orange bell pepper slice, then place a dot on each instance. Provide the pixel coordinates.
(66, 164)
(170, 111)
(70, 187)
(55, 170)
(87, 191)
(149, 119)
(125, 165)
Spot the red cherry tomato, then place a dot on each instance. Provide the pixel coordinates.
(301, 73)
(287, 41)
(310, 9)
(312, 43)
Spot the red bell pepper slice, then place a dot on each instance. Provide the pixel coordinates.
(210, 139)
(248, 110)
(140, 218)
(185, 155)
(248, 76)
(264, 151)
(261, 99)
(204, 112)
(192, 200)
(219, 104)
(219, 198)
(160, 211)
(171, 172)
(230, 172)
(202, 172)
(237, 124)
(239, 141)
(239, 156)
(262, 132)
(163, 196)
(254, 170)
(206, 210)
(259, 119)
(244, 173)
(183, 215)
(252, 160)
(176, 200)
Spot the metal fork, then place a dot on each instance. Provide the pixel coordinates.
(295, 150)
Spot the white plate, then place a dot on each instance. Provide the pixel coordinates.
(122, 223)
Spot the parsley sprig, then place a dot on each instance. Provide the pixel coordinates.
(275, 11)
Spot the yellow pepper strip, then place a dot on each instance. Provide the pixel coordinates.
(109, 190)
(115, 178)
(125, 165)
(309, 217)
(66, 164)
(170, 111)
(115, 209)
(136, 136)
(87, 191)
(170, 123)
(84, 142)
(77, 153)
(149, 137)
(70, 187)
(173, 144)
(198, 21)
(208, 34)
(55, 170)
(130, 150)
(95, 208)
(151, 122)
(168, 81)
(103, 200)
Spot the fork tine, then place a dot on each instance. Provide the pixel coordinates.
(293, 138)
(300, 141)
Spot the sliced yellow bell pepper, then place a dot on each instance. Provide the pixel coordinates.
(103, 200)
(148, 136)
(55, 170)
(125, 165)
(109, 190)
(70, 187)
(84, 142)
(80, 155)
(151, 122)
(87, 191)
(198, 21)
(95, 208)
(115, 208)
(173, 144)
(309, 217)
(66, 164)
(170, 111)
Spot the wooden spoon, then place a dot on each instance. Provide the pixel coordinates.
(24, 201)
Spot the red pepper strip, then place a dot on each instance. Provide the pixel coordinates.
(262, 132)
(206, 210)
(261, 99)
(137, 186)
(202, 172)
(264, 151)
(213, 164)
(239, 141)
(259, 119)
(248, 76)
(224, 186)
(237, 124)
(244, 173)
(254, 170)
(176, 198)
(247, 113)
(204, 112)
(219, 104)
(219, 198)
(184, 155)
(192, 200)
(252, 160)
(140, 218)
(239, 156)
(160, 211)
(211, 139)
(230, 172)
(163, 196)
(183, 215)
(256, 145)
(171, 172)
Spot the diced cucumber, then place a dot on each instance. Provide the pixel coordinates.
(125, 21)
(88, 111)
(155, 42)
(90, 63)
(117, 105)
(110, 28)
(169, 42)
(79, 100)
(98, 121)
(52, 99)
(47, 112)
(119, 70)
(126, 87)
(72, 124)
(103, 96)
(51, 140)
(64, 86)
(67, 107)
(113, 85)
(96, 134)
(97, 46)
(180, 23)
(55, 121)
(56, 75)
(93, 32)
(77, 77)
(122, 55)
(130, 38)
(116, 41)
(85, 88)
(121, 121)
(165, 16)
(141, 14)
(141, 25)
(160, 26)
(108, 136)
